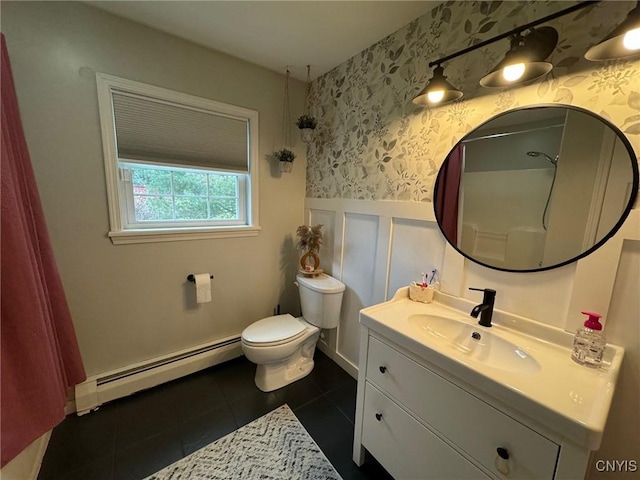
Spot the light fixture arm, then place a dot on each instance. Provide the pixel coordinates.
(515, 31)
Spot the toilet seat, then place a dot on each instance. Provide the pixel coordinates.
(273, 331)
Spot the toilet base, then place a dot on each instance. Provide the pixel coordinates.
(272, 376)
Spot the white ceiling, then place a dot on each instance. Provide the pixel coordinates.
(277, 34)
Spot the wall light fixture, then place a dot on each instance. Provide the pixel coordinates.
(438, 90)
(622, 42)
(526, 59)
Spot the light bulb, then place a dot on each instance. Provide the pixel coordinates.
(631, 40)
(435, 96)
(511, 73)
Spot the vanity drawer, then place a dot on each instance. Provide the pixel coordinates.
(474, 426)
(406, 448)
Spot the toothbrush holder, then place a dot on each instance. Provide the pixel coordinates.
(418, 293)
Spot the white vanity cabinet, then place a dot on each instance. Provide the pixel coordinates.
(441, 398)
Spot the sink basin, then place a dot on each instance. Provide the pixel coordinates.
(476, 343)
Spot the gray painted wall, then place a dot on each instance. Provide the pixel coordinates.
(132, 302)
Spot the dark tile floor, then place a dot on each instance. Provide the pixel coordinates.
(133, 437)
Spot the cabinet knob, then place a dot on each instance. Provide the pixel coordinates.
(378, 416)
(503, 453)
(500, 462)
(383, 369)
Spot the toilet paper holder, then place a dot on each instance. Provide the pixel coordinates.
(191, 278)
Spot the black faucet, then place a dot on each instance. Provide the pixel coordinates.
(485, 309)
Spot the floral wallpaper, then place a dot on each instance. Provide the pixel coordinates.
(373, 143)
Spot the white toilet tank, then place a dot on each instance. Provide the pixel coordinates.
(320, 299)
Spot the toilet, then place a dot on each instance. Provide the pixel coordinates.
(282, 346)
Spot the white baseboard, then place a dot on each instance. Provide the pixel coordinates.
(70, 407)
(26, 465)
(100, 389)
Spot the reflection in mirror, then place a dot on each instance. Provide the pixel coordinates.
(536, 188)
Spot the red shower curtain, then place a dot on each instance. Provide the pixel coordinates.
(446, 201)
(40, 356)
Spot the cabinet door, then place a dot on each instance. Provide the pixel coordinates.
(407, 449)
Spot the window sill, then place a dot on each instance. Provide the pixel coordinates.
(125, 237)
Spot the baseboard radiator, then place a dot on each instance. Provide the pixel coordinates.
(103, 388)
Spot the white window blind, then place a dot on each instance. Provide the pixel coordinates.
(161, 132)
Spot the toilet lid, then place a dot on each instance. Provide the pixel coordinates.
(322, 283)
(273, 329)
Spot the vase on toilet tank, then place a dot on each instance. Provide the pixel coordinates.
(282, 346)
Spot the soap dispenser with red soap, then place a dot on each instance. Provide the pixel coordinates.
(589, 342)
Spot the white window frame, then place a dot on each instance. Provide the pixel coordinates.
(120, 232)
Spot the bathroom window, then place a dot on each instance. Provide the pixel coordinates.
(178, 167)
(159, 196)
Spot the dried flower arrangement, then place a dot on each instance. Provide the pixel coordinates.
(310, 238)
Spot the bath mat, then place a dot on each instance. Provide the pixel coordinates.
(273, 447)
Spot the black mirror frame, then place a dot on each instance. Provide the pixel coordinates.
(623, 217)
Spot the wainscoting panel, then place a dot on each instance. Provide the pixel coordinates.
(358, 268)
(417, 246)
(374, 248)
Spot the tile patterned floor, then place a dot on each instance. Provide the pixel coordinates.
(136, 436)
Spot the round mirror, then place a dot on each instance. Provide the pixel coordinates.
(536, 188)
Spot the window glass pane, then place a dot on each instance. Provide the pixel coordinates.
(189, 183)
(224, 208)
(223, 185)
(151, 181)
(191, 208)
(162, 194)
(152, 208)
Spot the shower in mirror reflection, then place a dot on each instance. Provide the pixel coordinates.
(554, 162)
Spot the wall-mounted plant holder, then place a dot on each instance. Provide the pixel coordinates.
(306, 134)
(286, 167)
(285, 157)
(306, 122)
(307, 125)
